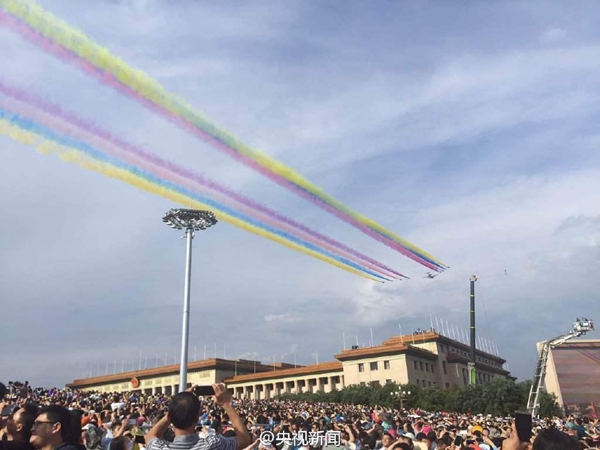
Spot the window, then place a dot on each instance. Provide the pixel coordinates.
(432, 368)
(362, 383)
(429, 383)
(426, 367)
(447, 385)
(386, 365)
(373, 365)
(388, 380)
(421, 364)
(442, 348)
(444, 367)
(361, 367)
(416, 368)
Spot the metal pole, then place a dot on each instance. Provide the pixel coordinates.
(473, 375)
(186, 313)
(473, 320)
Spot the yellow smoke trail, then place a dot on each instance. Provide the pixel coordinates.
(76, 41)
(74, 156)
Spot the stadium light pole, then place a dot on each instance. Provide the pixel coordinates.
(190, 220)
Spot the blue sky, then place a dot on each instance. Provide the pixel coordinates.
(469, 129)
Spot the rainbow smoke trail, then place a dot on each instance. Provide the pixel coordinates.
(59, 38)
(51, 140)
(66, 123)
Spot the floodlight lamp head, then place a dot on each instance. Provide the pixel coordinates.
(474, 277)
(190, 219)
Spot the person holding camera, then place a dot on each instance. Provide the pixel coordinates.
(184, 414)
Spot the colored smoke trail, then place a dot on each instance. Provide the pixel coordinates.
(52, 116)
(29, 132)
(57, 37)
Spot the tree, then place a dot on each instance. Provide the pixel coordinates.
(549, 406)
(432, 399)
(501, 396)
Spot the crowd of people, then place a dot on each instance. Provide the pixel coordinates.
(53, 419)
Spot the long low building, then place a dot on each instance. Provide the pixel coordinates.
(425, 359)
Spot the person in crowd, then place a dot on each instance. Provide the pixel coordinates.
(184, 415)
(17, 429)
(51, 429)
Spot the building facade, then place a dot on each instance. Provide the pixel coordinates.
(425, 359)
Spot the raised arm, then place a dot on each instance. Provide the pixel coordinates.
(224, 400)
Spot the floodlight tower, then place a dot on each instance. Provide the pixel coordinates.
(191, 220)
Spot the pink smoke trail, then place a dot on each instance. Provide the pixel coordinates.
(81, 129)
(108, 79)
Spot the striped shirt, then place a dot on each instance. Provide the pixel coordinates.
(194, 442)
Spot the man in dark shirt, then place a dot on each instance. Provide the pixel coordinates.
(18, 428)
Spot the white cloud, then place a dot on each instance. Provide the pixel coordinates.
(281, 318)
(554, 35)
